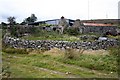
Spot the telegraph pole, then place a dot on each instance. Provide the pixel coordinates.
(88, 9)
(119, 10)
(106, 16)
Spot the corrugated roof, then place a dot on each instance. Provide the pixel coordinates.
(97, 24)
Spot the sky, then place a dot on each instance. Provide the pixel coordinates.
(54, 9)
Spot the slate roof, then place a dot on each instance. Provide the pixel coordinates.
(49, 20)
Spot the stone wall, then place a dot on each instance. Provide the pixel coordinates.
(99, 29)
(46, 44)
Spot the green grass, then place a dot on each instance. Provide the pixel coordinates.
(44, 35)
(105, 63)
(49, 35)
(48, 66)
(113, 37)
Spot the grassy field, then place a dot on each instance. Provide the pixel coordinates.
(51, 36)
(46, 35)
(53, 64)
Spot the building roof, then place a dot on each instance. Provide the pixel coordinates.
(50, 20)
(97, 24)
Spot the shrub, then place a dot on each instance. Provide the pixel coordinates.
(72, 31)
(72, 53)
(69, 53)
(13, 31)
(34, 30)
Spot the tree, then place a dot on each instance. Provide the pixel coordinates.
(11, 20)
(3, 25)
(30, 19)
(33, 18)
(13, 28)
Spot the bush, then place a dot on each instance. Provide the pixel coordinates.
(69, 53)
(13, 30)
(72, 53)
(34, 30)
(72, 31)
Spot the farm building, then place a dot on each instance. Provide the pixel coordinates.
(84, 27)
(97, 28)
(52, 22)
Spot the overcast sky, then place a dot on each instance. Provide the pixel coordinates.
(54, 9)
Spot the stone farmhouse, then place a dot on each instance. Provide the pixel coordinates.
(98, 28)
(84, 27)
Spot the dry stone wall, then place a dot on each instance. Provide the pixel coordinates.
(49, 44)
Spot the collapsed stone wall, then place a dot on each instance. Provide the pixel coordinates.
(49, 44)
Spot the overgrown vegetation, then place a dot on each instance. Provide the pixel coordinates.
(72, 31)
(45, 35)
(15, 51)
(72, 53)
(107, 63)
(115, 51)
(40, 65)
(69, 54)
